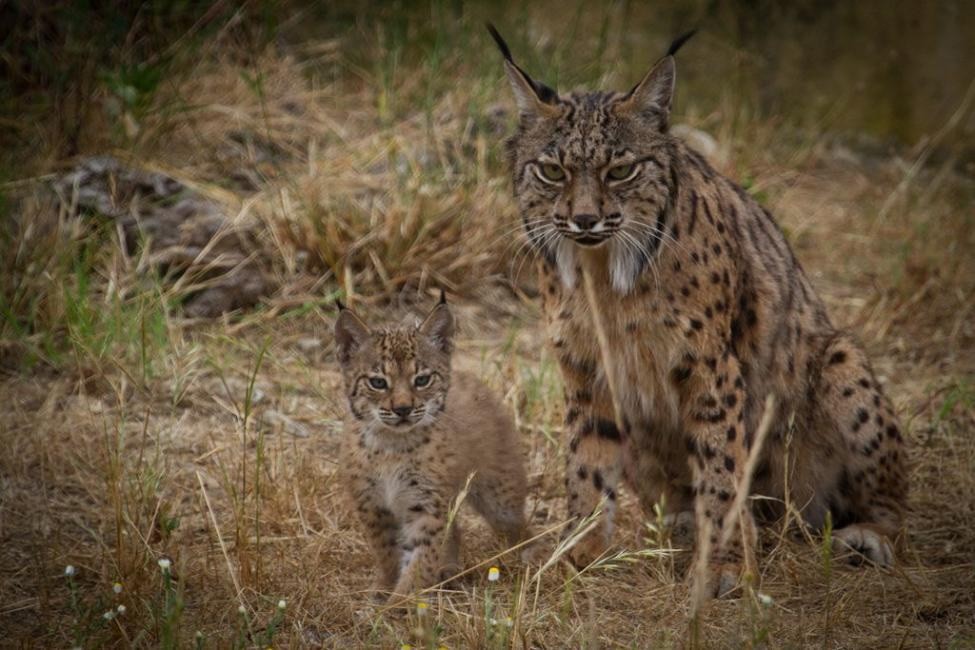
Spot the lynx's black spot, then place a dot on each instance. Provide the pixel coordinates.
(680, 374)
(607, 429)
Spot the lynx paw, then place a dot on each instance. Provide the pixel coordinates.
(682, 527)
(723, 580)
(535, 553)
(587, 550)
(865, 542)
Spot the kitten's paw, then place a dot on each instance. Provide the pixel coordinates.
(682, 528)
(587, 550)
(535, 553)
(448, 574)
(865, 543)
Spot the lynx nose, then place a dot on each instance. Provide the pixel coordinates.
(402, 411)
(585, 221)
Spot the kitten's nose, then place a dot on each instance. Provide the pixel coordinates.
(402, 411)
(585, 221)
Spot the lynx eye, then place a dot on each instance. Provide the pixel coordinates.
(421, 381)
(378, 383)
(550, 172)
(621, 172)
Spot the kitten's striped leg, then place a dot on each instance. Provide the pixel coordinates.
(429, 550)
(382, 531)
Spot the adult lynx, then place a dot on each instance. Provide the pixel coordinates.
(706, 311)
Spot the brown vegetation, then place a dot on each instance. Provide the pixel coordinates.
(133, 433)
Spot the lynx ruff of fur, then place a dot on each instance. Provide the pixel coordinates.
(708, 312)
(414, 434)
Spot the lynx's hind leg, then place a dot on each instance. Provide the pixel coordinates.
(867, 499)
(503, 509)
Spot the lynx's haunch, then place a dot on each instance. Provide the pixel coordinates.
(707, 311)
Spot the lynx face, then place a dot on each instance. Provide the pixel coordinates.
(396, 378)
(594, 170)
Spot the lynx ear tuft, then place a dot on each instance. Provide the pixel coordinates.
(654, 95)
(534, 99)
(679, 42)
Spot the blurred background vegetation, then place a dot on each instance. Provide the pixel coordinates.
(895, 71)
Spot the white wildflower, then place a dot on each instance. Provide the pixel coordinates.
(109, 615)
(765, 599)
(165, 563)
(282, 604)
(70, 570)
(117, 587)
(494, 574)
(120, 609)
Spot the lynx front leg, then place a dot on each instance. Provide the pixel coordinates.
(593, 470)
(712, 411)
(382, 532)
(429, 550)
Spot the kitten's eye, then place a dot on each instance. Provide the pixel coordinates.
(378, 383)
(421, 381)
(621, 172)
(550, 172)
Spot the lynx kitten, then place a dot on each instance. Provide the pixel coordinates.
(414, 434)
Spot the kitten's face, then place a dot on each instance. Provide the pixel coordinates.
(396, 378)
(594, 170)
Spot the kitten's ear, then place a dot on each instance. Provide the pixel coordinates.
(534, 99)
(655, 94)
(438, 327)
(351, 334)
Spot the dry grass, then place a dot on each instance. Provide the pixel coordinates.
(132, 435)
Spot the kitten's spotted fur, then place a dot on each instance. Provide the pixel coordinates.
(414, 433)
(707, 311)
